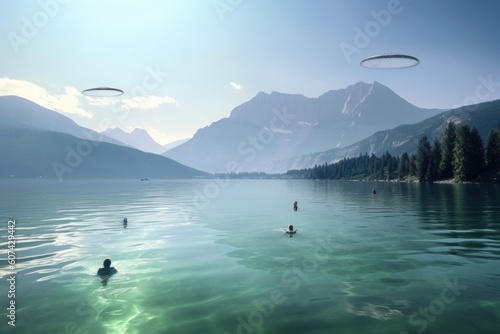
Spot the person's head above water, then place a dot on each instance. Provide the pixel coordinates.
(106, 263)
(107, 270)
(290, 227)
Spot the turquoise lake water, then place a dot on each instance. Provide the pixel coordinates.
(207, 256)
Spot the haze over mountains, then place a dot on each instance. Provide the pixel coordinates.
(276, 126)
(173, 144)
(138, 138)
(38, 142)
(26, 153)
(17, 112)
(404, 138)
(270, 133)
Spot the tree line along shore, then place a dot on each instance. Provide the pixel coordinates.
(460, 156)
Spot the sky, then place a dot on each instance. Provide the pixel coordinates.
(184, 64)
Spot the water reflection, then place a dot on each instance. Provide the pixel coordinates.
(364, 261)
(464, 217)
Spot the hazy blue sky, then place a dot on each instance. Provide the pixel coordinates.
(185, 64)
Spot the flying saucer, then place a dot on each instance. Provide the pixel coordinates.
(102, 92)
(390, 61)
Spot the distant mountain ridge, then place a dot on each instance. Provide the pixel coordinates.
(175, 143)
(28, 153)
(17, 112)
(404, 138)
(260, 135)
(138, 138)
(36, 142)
(277, 126)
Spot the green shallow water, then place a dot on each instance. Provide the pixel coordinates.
(200, 256)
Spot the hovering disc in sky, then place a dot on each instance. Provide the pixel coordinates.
(390, 61)
(102, 92)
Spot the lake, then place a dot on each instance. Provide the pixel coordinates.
(211, 256)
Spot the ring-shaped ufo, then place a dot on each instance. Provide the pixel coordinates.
(102, 92)
(388, 61)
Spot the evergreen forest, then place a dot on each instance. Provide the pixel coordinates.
(460, 156)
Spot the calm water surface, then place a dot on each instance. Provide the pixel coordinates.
(205, 257)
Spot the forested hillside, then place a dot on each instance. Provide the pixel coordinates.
(461, 155)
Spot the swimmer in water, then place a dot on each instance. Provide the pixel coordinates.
(290, 229)
(107, 270)
(295, 206)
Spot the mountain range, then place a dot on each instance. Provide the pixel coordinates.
(19, 113)
(38, 142)
(270, 133)
(173, 144)
(138, 138)
(404, 138)
(275, 127)
(28, 153)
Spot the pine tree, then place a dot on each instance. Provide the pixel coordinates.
(493, 151)
(413, 165)
(468, 154)
(423, 156)
(447, 145)
(476, 153)
(430, 175)
(435, 161)
(390, 170)
(436, 156)
(460, 159)
(403, 165)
